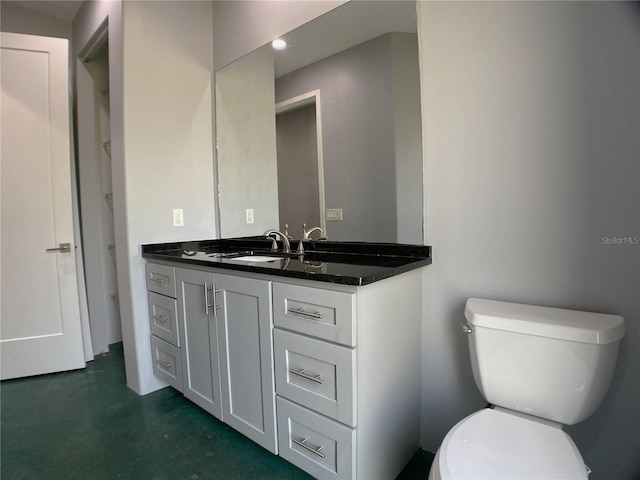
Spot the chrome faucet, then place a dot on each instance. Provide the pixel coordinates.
(286, 246)
(306, 237)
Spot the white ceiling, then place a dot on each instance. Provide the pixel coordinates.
(61, 9)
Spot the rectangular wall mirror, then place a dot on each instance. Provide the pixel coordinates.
(327, 131)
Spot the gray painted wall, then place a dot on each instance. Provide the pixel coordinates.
(16, 19)
(168, 142)
(358, 89)
(407, 124)
(357, 132)
(531, 121)
(246, 139)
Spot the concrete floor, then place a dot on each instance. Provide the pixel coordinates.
(87, 424)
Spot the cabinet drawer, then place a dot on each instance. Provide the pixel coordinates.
(161, 279)
(162, 317)
(316, 374)
(316, 312)
(319, 446)
(166, 362)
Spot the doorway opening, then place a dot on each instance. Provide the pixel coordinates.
(96, 193)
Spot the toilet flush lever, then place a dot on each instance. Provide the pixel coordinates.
(466, 328)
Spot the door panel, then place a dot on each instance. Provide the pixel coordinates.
(246, 357)
(40, 317)
(199, 340)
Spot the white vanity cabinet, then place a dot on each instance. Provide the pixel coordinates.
(326, 375)
(223, 353)
(348, 376)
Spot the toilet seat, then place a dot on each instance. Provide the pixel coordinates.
(494, 444)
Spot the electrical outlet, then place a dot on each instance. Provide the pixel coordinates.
(178, 217)
(249, 215)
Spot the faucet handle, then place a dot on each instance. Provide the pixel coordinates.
(286, 231)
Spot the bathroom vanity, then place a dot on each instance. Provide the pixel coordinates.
(314, 357)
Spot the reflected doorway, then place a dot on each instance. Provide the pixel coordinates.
(299, 159)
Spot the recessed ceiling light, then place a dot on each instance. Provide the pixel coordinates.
(279, 44)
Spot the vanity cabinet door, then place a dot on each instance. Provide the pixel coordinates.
(199, 339)
(246, 357)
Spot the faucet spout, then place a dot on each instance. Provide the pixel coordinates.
(306, 236)
(286, 246)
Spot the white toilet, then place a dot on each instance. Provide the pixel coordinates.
(540, 368)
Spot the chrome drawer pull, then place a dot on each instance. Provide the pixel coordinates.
(160, 318)
(159, 281)
(165, 363)
(303, 444)
(300, 373)
(303, 313)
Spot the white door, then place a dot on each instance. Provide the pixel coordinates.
(40, 330)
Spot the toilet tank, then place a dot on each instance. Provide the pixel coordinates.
(548, 362)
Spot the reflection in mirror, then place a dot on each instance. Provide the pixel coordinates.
(326, 132)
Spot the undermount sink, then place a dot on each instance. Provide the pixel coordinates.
(243, 256)
(256, 258)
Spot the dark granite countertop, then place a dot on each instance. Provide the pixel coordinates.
(348, 263)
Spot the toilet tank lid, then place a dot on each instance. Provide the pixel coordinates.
(572, 325)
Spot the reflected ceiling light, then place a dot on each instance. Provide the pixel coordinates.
(279, 44)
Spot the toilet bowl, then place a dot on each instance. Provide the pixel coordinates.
(540, 368)
(495, 444)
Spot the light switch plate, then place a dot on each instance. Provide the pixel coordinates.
(333, 214)
(249, 216)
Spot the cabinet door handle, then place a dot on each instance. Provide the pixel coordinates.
(306, 376)
(158, 281)
(303, 313)
(165, 363)
(208, 305)
(303, 444)
(215, 306)
(206, 299)
(160, 318)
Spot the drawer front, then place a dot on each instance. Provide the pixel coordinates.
(163, 318)
(166, 362)
(161, 279)
(319, 446)
(320, 313)
(316, 374)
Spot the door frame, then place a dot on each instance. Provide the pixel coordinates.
(302, 100)
(89, 155)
